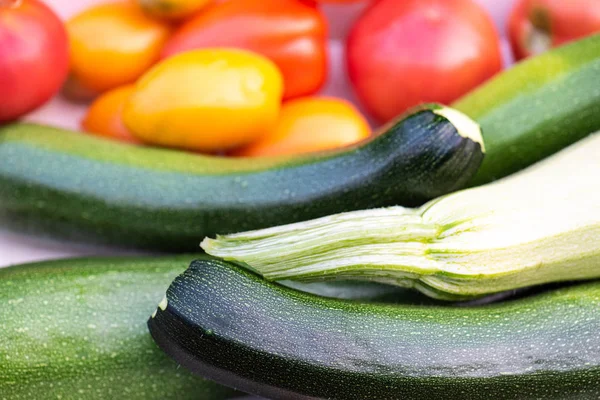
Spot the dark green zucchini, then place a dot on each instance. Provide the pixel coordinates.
(76, 329)
(536, 108)
(83, 188)
(229, 325)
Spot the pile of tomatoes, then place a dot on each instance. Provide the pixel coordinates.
(241, 77)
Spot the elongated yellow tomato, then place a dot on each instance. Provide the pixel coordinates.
(308, 125)
(206, 100)
(172, 9)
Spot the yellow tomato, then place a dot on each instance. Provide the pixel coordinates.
(172, 9)
(112, 45)
(105, 115)
(206, 100)
(310, 124)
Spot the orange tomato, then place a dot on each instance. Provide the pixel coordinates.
(105, 115)
(172, 9)
(112, 45)
(291, 33)
(206, 100)
(308, 125)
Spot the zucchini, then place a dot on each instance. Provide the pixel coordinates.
(75, 329)
(83, 188)
(228, 324)
(536, 108)
(541, 225)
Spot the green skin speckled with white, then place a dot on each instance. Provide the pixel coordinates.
(76, 329)
(81, 187)
(226, 323)
(536, 108)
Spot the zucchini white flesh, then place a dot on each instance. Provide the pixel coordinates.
(541, 225)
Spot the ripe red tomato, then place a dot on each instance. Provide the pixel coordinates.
(402, 53)
(34, 56)
(537, 25)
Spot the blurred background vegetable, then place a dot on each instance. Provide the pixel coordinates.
(172, 9)
(400, 54)
(207, 100)
(308, 125)
(291, 33)
(105, 115)
(112, 44)
(334, 1)
(537, 25)
(34, 56)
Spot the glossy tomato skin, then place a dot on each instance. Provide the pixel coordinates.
(34, 56)
(104, 117)
(307, 125)
(535, 26)
(402, 53)
(112, 44)
(207, 100)
(291, 33)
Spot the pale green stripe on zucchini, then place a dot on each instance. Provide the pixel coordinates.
(541, 225)
(124, 154)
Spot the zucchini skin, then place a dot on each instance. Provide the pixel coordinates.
(87, 189)
(536, 108)
(231, 326)
(75, 329)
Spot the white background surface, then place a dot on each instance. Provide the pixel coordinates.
(17, 248)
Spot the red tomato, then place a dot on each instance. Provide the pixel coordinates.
(537, 25)
(291, 33)
(402, 53)
(34, 56)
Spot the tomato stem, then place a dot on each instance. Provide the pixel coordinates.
(539, 38)
(540, 18)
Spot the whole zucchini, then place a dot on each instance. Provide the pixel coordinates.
(230, 325)
(536, 108)
(82, 187)
(75, 329)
